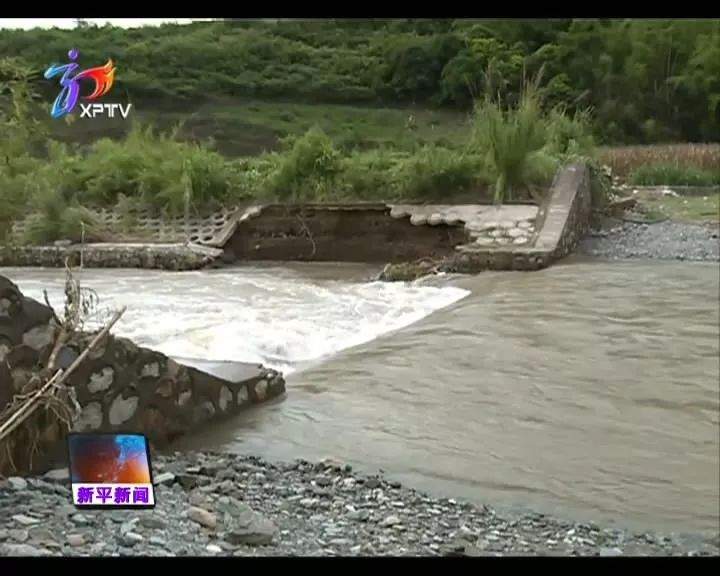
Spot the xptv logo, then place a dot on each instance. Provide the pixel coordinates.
(103, 76)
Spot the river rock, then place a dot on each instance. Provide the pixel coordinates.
(390, 521)
(214, 549)
(255, 530)
(610, 552)
(59, 475)
(166, 478)
(232, 506)
(24, 520)
(18, 534)
(189, 481)
(17, 483)
(202, 517)
(212, 468)
(153, 522)
(226, 474)
(130, 539)
(358, 515)
(157, 541)
(372, 483)
(126, 527)
(76, 540)
(23, 550)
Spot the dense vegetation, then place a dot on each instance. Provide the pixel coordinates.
(433, 110)
(516, 149)
(645, 80)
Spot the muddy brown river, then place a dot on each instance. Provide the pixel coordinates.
(588, 390)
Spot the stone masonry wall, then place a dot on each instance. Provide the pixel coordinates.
(152, 256)
(561, 222)
(119, 386)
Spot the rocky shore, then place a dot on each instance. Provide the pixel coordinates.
(219, 504)
(662, 241)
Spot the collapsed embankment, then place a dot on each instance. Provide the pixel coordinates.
(118, 387)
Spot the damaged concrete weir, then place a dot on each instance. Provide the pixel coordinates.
(119, 387)
(465, 238)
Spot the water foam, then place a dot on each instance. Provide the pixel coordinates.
(268, 316)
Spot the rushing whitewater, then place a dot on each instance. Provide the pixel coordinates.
(280, 317)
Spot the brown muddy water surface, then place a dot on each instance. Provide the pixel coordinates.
(588, 390)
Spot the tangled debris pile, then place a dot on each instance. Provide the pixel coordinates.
(37, 407)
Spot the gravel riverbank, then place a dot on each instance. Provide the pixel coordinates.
(664, 241)
(219, 504)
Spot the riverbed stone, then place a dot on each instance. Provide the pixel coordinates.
(23, 550)
(24, 520)
(165, 478)
(202, 517)
(76, 540)
(17, 483)
(18, 534)
(58, 475)
(130, 539)
(252, 530)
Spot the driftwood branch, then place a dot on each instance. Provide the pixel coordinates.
(59, 378)
(47, 302)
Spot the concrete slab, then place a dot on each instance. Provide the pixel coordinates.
(235, 372)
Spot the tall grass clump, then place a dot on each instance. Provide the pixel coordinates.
(510, 137)
(524, 145)
(57, 217)
(308, 170)
(569, 136)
